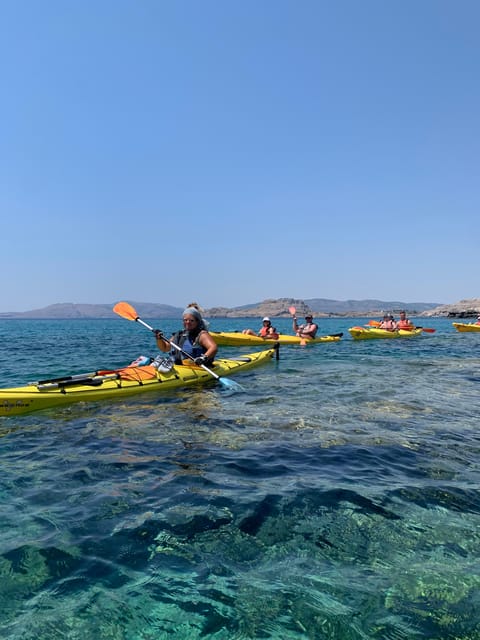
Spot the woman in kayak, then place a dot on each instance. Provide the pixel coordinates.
(266, 330)
(194, 339)
(388, 323)
(404, 322)
(307, 330)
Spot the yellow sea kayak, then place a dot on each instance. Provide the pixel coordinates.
(463, 327)
(237, 339)
(119, 383)
(372, 333)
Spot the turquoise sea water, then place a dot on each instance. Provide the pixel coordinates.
(338, 498)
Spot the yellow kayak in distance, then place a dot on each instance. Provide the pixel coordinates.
(372, 333)
(238, 339)
(119, 383)
(464, 327)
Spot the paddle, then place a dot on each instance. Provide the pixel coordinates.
(292, 310)
(128, 312)
(78, 378)
(375, 323)
(91, 381)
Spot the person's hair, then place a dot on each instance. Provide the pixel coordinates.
(195, 312)
(196, 306)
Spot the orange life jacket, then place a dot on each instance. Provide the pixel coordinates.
(268, 332)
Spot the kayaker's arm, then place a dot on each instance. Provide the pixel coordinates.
(209, 344)
(162, 344)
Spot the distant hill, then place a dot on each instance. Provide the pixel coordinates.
(69, 310)
(349, 307)
(279, 308)
(276, 308)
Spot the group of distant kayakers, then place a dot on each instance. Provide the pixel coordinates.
(267, 330)
(390, 324)
(195, 339)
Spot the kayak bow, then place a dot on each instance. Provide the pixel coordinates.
(464, 327)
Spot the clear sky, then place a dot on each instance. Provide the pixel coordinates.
(232, 151)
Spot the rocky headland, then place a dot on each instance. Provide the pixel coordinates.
(278, 308)
(463, 309)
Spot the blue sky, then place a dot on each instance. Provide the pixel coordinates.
(229, 152)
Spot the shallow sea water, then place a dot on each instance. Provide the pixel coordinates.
(337, 498)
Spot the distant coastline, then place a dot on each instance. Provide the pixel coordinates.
(276, 308)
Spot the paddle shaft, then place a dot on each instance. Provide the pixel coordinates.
(93, 380)
(79, 377)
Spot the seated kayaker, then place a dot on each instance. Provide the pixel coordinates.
(307, 330)
(388, 323)
(194, 339)
(404, 322)
(266, 331)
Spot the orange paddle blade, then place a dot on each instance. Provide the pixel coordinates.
(292, 310)
(125, 310)
(374, 323)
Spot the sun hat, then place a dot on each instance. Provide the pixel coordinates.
(266, 319)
